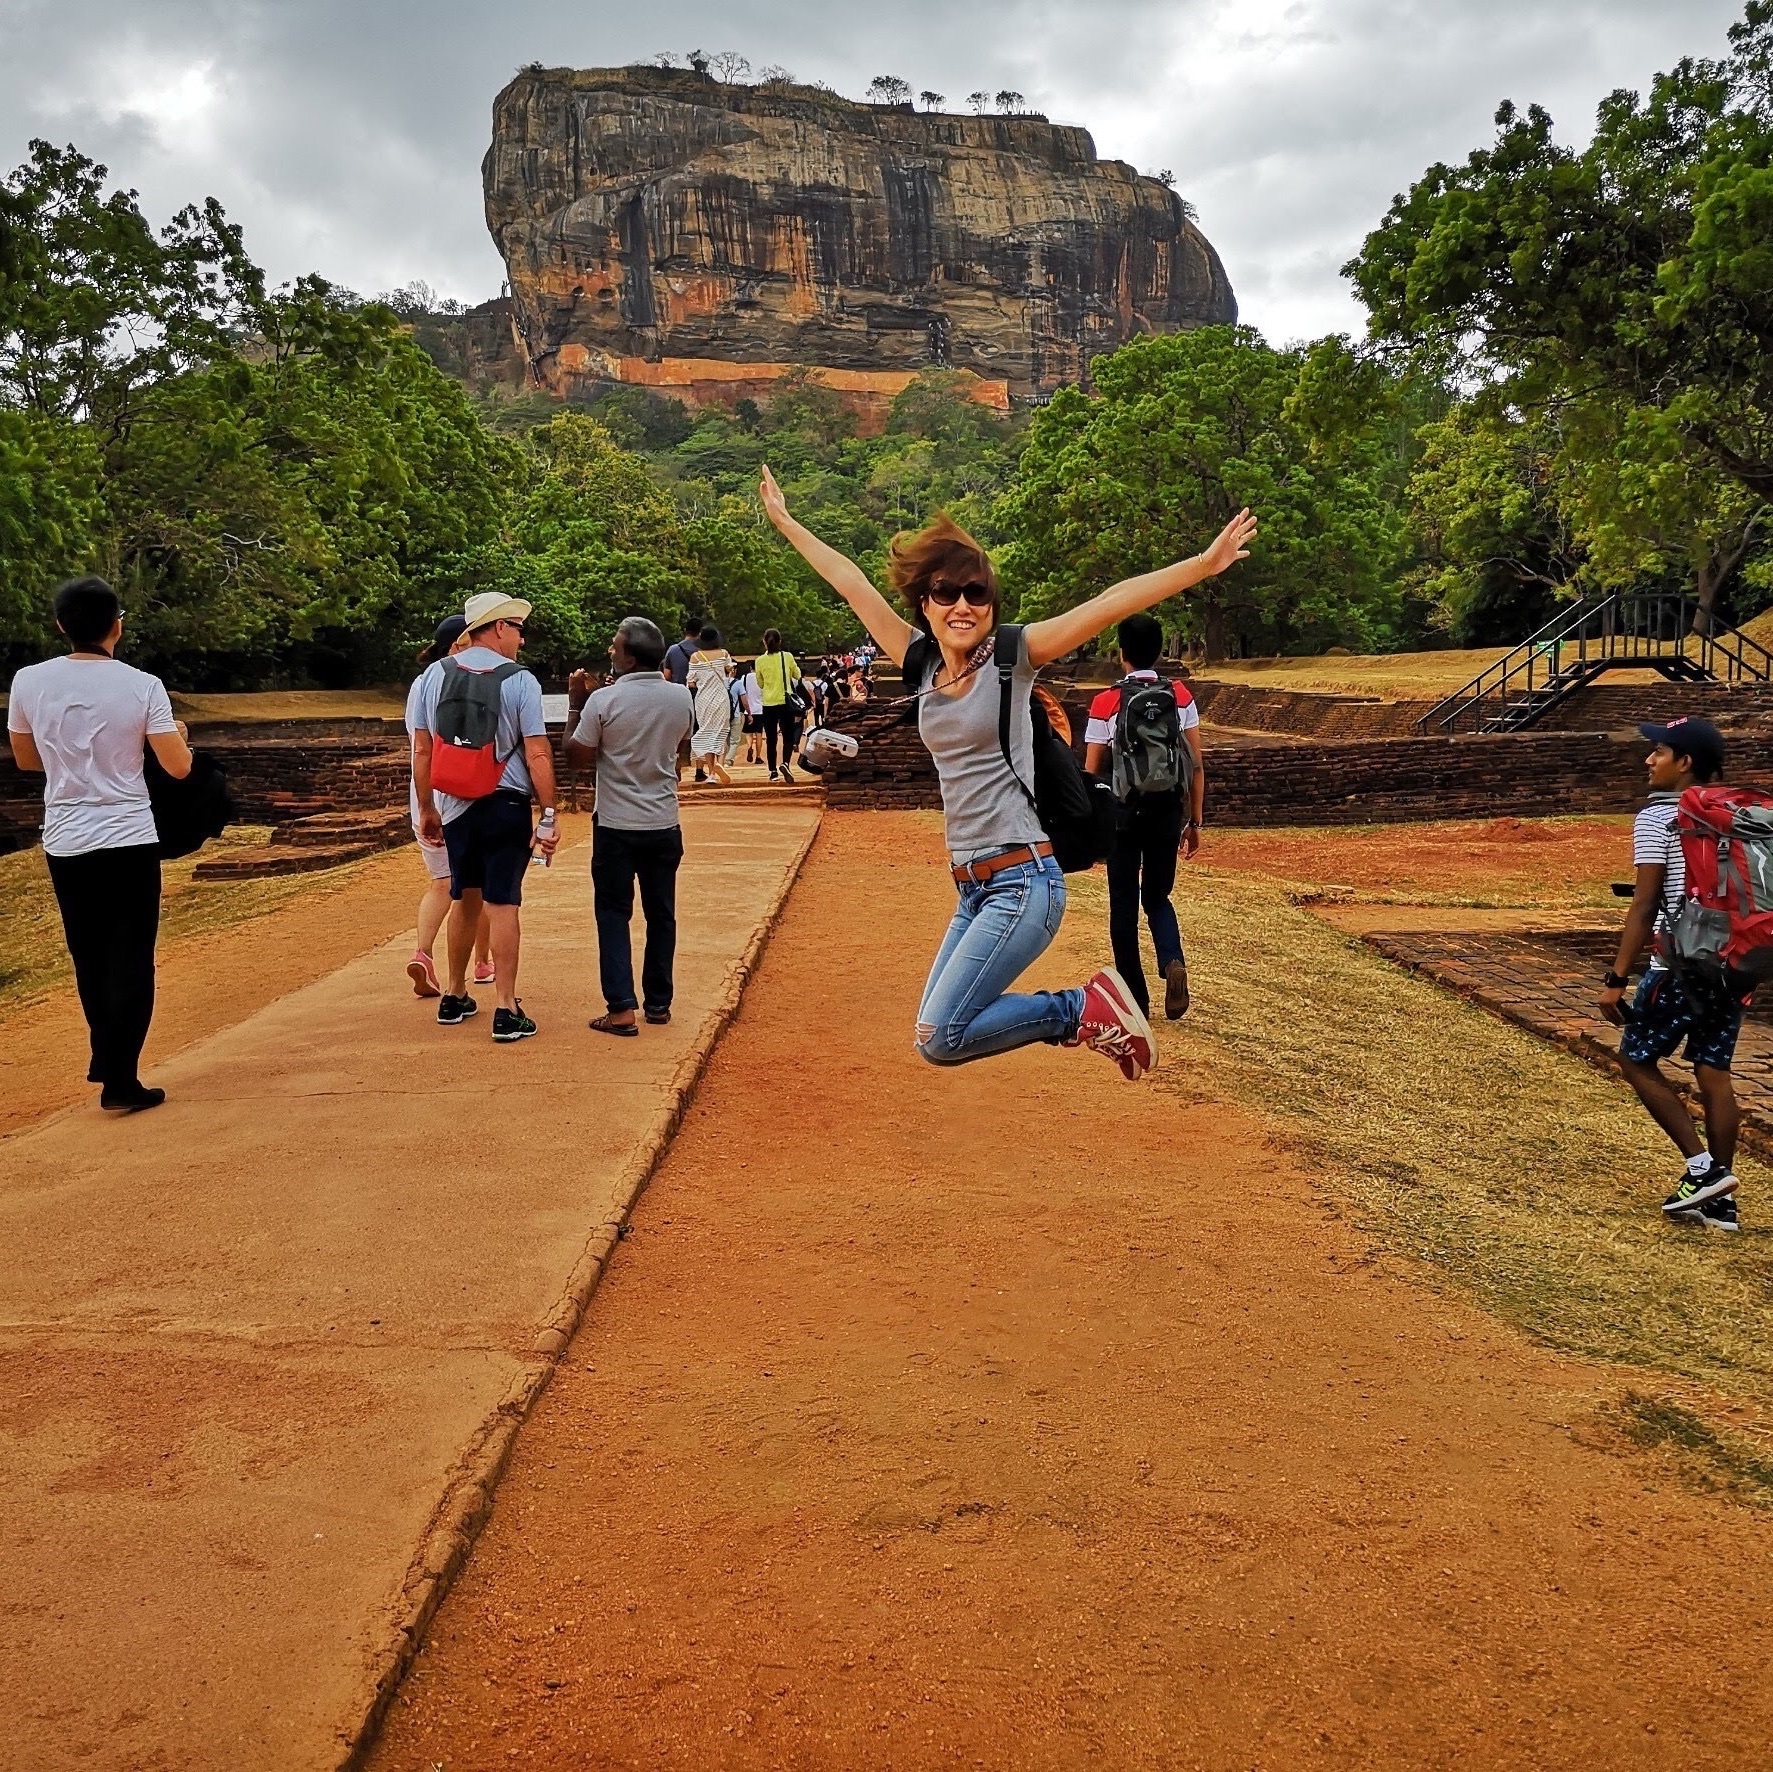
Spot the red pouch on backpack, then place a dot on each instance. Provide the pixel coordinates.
(465, 760)
(1725, 924)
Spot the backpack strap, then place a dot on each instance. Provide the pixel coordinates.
(1005, 654)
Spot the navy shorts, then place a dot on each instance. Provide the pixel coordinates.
(1664, 1013)
(489, 848)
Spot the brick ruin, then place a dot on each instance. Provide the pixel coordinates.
(330, 787)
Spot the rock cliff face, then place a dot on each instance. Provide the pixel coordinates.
(660, 227)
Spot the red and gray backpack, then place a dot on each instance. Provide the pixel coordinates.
(1724, 928)
(465, 760)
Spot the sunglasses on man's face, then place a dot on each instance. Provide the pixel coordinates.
(946, 596)
(507, 622)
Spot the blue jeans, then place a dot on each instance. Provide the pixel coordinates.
(1000, 928)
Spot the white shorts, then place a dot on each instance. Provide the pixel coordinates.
(436, 860)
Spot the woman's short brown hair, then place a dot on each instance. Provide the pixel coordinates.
(939, 553)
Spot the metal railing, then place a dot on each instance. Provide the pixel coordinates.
(1620, 631)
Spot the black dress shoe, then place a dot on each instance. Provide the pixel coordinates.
(130, 1101)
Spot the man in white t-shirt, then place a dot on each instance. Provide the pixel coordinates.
(1669, 1011)
(85, 721)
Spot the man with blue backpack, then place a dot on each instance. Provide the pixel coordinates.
(1143, 737)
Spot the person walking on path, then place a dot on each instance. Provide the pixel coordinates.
(488, 835)
(710, 686)
(451, 636)
(751, 700)
(677, 659)
(1012, 892)
(1144, 738)
(1669, 1009)
(85, 721)
(778, 680)
(629, 731)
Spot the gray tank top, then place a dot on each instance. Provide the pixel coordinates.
(983, 807)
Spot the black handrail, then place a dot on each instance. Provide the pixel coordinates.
(1597, 635)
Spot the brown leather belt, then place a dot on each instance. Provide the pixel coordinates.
(976, 873)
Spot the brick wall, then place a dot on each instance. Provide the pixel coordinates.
(272, 779)
(1356, 781)
(1603, 707)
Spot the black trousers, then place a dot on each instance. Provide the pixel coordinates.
(110, 905)
(785, 720)
(1141, 875)
(619, 860)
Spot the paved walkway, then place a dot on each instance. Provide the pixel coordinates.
(249, 1341)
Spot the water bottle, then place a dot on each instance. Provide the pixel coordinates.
(542, 848)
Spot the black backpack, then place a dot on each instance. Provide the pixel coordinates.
(189, 809)
(1150, 756)
(1076, 812)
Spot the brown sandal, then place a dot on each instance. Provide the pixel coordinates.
(626, 1030)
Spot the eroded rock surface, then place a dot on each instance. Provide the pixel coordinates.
(664, 228)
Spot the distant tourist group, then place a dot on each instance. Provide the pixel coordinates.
(1020, 811)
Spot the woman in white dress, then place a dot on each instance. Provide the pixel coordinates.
(710, 679)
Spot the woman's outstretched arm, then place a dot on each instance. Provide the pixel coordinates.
(891, 631)
(1060, 634)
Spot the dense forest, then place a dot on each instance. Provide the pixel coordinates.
(1567, 385)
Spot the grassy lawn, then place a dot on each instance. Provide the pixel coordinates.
(1392, 676)
(1518, 1175)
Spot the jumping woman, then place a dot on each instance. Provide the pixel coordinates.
(1012, 892)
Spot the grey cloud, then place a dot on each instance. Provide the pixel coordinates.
(346, 137)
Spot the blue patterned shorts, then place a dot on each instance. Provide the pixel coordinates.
(1663, 1015)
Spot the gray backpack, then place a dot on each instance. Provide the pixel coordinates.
(1150, 755)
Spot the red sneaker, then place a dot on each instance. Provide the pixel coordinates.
(485, 972)
(423, 975)
(1113, 1025)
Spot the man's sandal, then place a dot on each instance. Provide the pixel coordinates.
(626, 1030)
(658, 1017)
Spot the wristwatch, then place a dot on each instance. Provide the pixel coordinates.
(1613, 981)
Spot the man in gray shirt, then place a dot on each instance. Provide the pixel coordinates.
(630, 731)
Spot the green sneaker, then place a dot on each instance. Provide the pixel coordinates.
(1696, 1190)
(513, 1024)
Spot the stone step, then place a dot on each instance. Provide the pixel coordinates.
(280, 858)
(323, 829)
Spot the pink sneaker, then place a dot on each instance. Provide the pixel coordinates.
(485, 972)
(1113, 1025)
(423, 975)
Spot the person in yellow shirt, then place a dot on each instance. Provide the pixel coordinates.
(778, 676)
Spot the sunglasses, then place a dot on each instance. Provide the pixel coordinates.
(978, 596)
(507, 622)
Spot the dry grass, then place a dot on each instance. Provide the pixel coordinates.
(35, 959)
(1525, 1178)
(1391, 676)
(294, 704)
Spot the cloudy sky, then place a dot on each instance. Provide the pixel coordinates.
(346, 135)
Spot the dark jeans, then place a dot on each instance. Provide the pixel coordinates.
(786, 721)
(110, 905)
(618, 860)
(1142, 872)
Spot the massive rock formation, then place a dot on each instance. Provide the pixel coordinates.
(660, 227)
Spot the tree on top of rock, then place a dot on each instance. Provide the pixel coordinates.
(1010, 101)
(889, 89)
(729, 65)
(980, 101)
(932, 101)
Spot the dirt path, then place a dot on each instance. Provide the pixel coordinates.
(1012, 1416)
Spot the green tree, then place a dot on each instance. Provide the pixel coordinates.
(1185, 430)
(1626, 288)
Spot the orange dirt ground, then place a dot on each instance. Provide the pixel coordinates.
(1512, 859)
(1015, 1416)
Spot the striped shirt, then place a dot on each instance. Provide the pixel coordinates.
(1656, 843)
